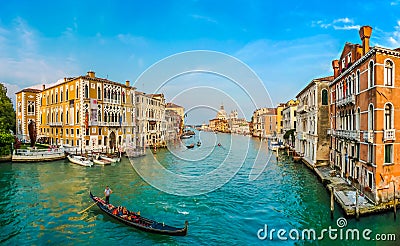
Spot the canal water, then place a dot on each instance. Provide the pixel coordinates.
(225, 192)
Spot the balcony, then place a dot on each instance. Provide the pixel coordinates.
(301, 135)
(389, 135)
(351, 99)
(348, 134)
(56, 124)
(368, 136)
(302, 109)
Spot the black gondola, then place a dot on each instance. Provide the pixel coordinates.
(139, 222)
(191, 146)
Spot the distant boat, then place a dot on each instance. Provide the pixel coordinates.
(191, 146)
(198, 143)
(186, 136)
(80, 160)
(274, 146)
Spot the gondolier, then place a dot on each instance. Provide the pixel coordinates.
(107, 193)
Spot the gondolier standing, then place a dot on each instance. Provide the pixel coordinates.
(107, 193)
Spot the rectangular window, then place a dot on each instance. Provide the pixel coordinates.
(370, 179)
(87, 142)
(99, 142)
(388, 153)
(370, 153)
(93, 130)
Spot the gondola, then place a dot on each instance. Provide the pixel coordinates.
(138, 221)
(191, 146)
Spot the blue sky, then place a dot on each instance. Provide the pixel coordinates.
(286, 43)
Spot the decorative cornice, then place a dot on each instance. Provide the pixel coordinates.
(365, 57)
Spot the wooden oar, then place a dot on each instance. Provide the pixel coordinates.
(89, 207)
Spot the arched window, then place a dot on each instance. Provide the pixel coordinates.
(371, 74)
(61, 96)
(324, 97)
(67, 117)
(86, 91)
(358, 119)
(62, 117)
(98, 93)
(388, 116)
(358, 81)
(56, 97)
(388, 73)
(105, 93)
(371, 117)
(77, 91)
(77, 117)
(66, 95)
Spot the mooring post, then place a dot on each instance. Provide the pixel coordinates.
(394, 199)
(332, 202)
(357, 209)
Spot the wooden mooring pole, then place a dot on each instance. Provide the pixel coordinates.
(394, 199)
(332, 202)
(357, 209)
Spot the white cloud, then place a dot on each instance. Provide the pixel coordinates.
(337, 24)
(205, 18)
(346, 27)
(343, 20)
(393, 3)
(394, 38)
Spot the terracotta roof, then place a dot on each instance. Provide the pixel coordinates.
(29, 90)
(172, 105)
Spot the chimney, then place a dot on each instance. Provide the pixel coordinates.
(365, 34)
(43, 87)
(127, 83)
(335, 66)
(91, 74)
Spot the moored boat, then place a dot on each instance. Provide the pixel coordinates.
(80, 160)
(191, 146)
(111, 159)
(100, 161)
(135, 220)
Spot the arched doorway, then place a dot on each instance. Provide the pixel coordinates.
(112, 140)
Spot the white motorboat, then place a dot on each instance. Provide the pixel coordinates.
(101, 161)
(80, 160)
(274, 146)
(111, 159)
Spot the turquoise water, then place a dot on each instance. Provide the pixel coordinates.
(221, 195)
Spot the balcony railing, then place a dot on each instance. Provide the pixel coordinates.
(368, 136)
(301, 135)
(302, 109)
(348, 134)
(389, 134)
(56, 124)
(350, 99)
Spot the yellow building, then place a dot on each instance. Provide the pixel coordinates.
(279, 118)
(86, 111)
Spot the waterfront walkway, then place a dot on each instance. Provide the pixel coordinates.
(345, 194)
